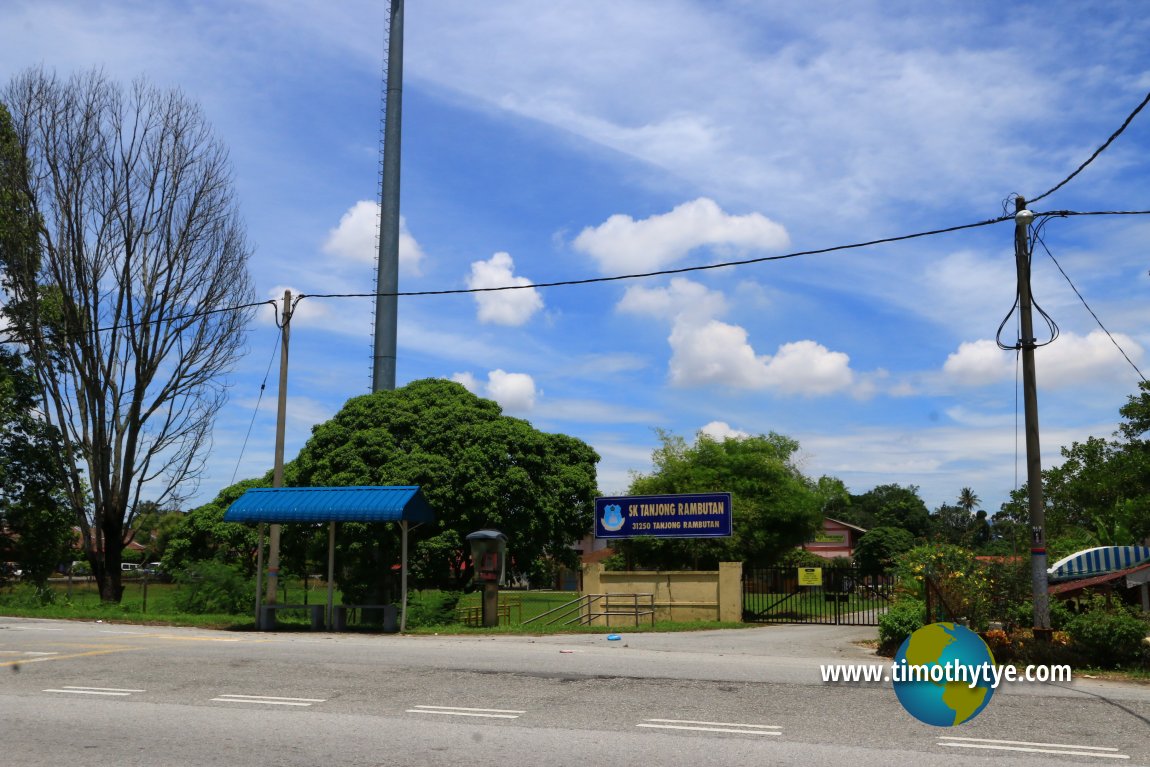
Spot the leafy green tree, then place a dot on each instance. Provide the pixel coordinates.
(950, 523)
(775, 507)
(478, 469)
(203, 535)
(35, 522)
(879, 548)
(894, 506)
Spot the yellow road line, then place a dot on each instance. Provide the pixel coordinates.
(88, 654)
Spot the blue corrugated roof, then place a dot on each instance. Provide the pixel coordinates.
(330, 504)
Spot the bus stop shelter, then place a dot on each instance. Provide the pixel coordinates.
(404, 504)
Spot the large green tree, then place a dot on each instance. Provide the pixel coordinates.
(132, 297)
(35, 521)
(893, 506)
(478, 469)
(775, 507)
(1103, 485)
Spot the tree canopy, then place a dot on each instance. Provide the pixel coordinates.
(35, 522)
(477, 468)
(774, 506)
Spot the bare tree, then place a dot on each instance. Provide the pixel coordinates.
(135, 305)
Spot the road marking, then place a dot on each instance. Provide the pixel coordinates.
(34, 628)
(731, 727)
(1101, 752)
(488, 713)
(113, 691)
(183, 638)
(268, 700)
(88, 654)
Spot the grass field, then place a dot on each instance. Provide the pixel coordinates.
(151, 603)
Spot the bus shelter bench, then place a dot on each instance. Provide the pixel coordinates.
(268, 615)
(339, 616)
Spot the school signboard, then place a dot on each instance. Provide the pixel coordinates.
(699, 515)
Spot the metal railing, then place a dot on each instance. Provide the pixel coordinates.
(588, 608)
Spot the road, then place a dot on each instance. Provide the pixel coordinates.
(72, 693)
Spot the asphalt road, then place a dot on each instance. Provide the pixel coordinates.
(77, 693)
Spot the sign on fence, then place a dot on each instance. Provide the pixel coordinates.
(700, 515)
(810, 576)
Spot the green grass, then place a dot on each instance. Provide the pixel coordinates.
(146, 604)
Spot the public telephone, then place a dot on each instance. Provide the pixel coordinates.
(489, 555)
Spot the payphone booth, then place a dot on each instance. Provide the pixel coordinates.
(489, 558)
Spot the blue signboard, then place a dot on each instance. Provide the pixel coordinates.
(701, 515)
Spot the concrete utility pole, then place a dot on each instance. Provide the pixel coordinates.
(278, 469)
(387, 270)
(1027, 343)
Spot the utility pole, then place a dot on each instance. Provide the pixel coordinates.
(1027, 343)
(387, 269)
(278, 470)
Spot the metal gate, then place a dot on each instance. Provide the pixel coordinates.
(834, 595)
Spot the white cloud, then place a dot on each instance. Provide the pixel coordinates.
(681, 297)
(622, 244)
(721, 430)
(717, 353)
(515, 392)
(977, 363)
(1070, 361)
(356, 238)
(506, 307)
(469, 381)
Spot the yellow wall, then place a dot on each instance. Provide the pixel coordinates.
(678, 595)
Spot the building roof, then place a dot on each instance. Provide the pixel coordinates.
(331, 504)
(845, 524)
(1069, 587)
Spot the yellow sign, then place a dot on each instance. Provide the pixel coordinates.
(810, 576)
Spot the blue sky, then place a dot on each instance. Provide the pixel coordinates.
(572, 139)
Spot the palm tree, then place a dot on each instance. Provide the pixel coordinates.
(967, 500)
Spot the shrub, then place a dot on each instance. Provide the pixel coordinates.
(433, 608)
(1107, 638)
(30, 596)
(213, 587)
(801, 558)
(901, 620)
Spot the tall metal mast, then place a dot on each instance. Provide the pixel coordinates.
(387, 274)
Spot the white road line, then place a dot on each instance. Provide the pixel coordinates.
(268, 700)
(709, 729)
(101, 689)
(1068, 749)
(486, 713)
(718, 724)
(34, 628)
(30, 652)
(92, 692)
(735, 728)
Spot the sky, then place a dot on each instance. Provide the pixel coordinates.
(572, 139)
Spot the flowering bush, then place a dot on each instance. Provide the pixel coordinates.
(957, 577)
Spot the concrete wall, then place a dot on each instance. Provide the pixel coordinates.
(678, 595)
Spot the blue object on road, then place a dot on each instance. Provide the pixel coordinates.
(613, 637)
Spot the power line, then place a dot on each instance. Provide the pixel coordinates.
(1042, 242)
(256, 409)
(1097, 152)
(664, 272)
(620, 277)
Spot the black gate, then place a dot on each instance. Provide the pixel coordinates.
(835, 595)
